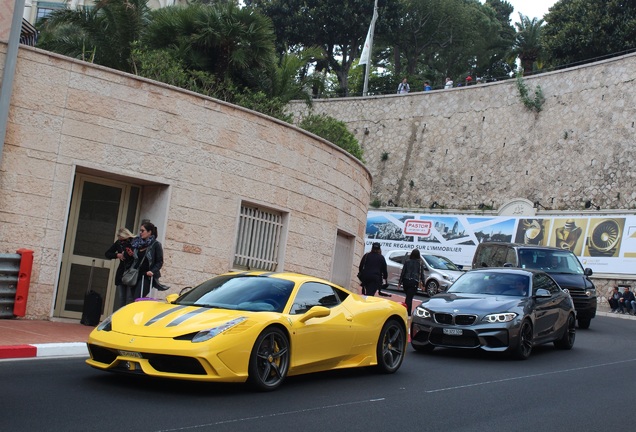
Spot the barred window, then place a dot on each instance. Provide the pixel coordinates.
(258, 238)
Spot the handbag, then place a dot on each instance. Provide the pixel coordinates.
(131, 275)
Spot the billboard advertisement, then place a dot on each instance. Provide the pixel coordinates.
(606, 244)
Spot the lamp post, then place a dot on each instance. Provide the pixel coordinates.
(9, 67)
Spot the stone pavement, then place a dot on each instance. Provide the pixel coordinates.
(21, 338)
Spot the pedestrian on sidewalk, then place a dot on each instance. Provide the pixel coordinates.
(122, 250)
(627, 302)
(411, 277)
(373, 270)
(614, 299)
(148, 253)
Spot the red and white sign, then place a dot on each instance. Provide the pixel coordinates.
(417, 227)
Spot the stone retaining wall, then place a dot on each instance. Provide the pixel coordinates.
(480, 144)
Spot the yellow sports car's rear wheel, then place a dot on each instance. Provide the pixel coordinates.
(391, 346)
(269, 361)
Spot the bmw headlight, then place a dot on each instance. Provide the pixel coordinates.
(208, 334)
(590, 293)
(500, 317)
(105, 325)
(422, 313)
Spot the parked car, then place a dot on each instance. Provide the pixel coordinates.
(252, 326)
(440, 272)
(561, 264)
(503, 309)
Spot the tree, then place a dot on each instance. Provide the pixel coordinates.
(224, 52)
(222, 39)
(339, 27)
(583, 30)
(102, 34)
(334, 131)
(500, 66)
(527, 45)
(432, 39)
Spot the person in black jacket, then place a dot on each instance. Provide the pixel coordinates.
(411, 277)
(614, 299)
(122, 251)
(148, 254)
(373, 271)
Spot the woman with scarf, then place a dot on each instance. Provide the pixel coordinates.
(122, 251)
(148, 259)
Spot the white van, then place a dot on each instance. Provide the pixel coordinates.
(440, 272)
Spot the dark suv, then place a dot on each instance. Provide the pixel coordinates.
(561, 264)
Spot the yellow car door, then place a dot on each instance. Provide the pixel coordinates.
(322, 333)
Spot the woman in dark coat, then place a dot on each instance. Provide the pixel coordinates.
(411, 277)
(122, 251)
(149, 259)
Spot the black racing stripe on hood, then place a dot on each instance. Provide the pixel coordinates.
(184, 317)
(163, 314)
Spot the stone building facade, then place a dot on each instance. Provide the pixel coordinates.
(89, 149)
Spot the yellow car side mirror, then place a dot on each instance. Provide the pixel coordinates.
(315, 312)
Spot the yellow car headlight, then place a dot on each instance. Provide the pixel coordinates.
(208, 334)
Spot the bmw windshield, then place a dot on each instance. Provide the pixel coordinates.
(491, 283)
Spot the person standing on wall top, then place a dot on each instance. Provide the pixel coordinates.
(449, 83)
(149, 259)
(427, 86)
(373, 270)
(122, 250)
(403, 87)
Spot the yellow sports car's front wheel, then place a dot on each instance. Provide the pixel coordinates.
(391, 346)
(269, 361)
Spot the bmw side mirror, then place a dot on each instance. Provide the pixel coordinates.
(588, 272)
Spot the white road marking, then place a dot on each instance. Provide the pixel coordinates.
(284, 413)
(528, 376)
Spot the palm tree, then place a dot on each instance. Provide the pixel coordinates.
(222, 39)
(102, 34)
(290, 79)
(527, 46)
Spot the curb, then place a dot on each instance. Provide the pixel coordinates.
(44, 350)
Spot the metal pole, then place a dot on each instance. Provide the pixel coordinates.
(367, 67)
(9, 70)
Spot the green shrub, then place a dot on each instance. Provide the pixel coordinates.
(334, 131)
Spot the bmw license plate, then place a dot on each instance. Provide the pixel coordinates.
(452, 332)
(130, 354)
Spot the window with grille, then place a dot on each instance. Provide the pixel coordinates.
(258, 238)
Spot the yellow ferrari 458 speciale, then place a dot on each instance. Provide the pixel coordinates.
(252, 326)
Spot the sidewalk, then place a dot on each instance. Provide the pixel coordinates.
(21, 338)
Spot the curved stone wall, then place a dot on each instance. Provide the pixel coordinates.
(203, 156)
(480, 145)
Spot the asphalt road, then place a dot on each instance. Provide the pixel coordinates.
(449, 390)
